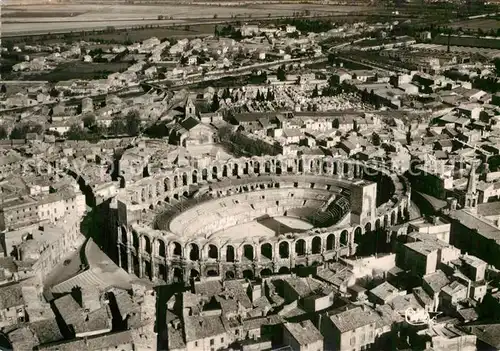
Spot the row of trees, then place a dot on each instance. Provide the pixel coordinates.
(269, 96)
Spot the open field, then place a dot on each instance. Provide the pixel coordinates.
(136, 35)
(484, 24)
(79, 70)
(34, 19)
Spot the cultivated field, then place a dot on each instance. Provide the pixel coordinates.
(35, 19)
(484, 24)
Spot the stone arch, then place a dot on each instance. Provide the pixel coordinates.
(235, 169)
(204, 174)
(248, 252)
(266, 272)
(267, 166)
(162, 251)
(135, 240)
(224, 171)
(300, 166)
(330, 242)
(344, 237)
(194, 252)
(176, 249)
(230, 253)
(300, 247)
(377, 224)
(256, 167)
(284, 249)
(124, 235)
(266, 250)
(194, 176)
(368, 228)
(393, 218)
(135, 265)
(147, 269)
(178, 276)
(146, 242)
(194, 274)
(212, 273)
(176, 181)
(184, 179)
(213, 251)
(316, 245)
(279, 171)
(248, 274)
(214, 172)
(162, 272)
(284, 270)
(358, 233)
(246, 168)
(166, 184)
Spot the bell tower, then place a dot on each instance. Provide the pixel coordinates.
(471, 196)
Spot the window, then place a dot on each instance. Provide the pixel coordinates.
(212, 342)
(222, 340)
(196, 343)
(353, 340)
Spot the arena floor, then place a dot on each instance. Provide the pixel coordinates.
(264, 227)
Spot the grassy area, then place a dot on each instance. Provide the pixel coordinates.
(485, 24)
(79, 70)
(136, 35)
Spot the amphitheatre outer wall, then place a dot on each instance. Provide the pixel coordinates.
(172, 256)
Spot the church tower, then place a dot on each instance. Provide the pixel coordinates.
(471, 196)
(189, 108)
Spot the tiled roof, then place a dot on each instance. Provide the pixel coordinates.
(353, 319)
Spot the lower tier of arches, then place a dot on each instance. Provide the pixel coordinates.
(182, 271)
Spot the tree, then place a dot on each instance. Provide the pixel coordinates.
(270, 95)
(408, 137)
(315, 92)
(332, 59)
(375, 139)
(365, 96)
(116, 127)
(75, 132)
(497, 65)
(133, 123)
(89, 121)
(3, 133)
(335, 123)
(371, 97)
(281, 74)
(258, 97)
(54, 92)
(215, 103)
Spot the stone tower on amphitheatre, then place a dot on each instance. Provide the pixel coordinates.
(363, 201)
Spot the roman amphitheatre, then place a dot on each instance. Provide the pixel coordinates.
(253, 217)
